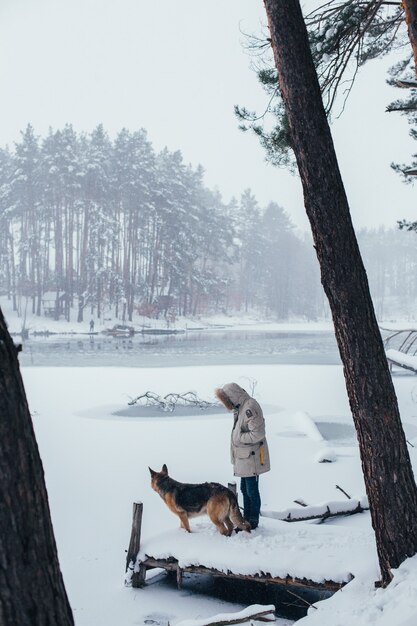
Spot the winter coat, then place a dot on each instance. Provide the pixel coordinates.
(249, 448)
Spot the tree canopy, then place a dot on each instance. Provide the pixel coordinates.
(97, 223)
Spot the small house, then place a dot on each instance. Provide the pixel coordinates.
(54, 304)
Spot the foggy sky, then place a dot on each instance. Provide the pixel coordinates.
(177, 69)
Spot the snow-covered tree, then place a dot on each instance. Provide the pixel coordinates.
(115, 225)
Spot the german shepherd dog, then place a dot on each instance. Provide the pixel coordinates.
(187, 500)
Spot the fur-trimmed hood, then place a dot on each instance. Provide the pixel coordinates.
(232, 395)
(249, 452)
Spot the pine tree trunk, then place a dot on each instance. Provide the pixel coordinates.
(32, 591)
(410, 9)
(388, 475)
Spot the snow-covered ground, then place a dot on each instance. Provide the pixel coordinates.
(96, 451)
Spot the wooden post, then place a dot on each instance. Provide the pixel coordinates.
(179, 577)
(232, 487)
(138, 578)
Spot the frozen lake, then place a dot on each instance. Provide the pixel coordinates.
(214, 347)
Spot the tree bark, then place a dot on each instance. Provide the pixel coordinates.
(410, 9)
(388, 475)
(32, 591)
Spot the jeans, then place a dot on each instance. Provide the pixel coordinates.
(251, 499)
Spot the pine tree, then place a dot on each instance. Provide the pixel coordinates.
(26, 196)
(7, 246)
(115, 225)
(387, 470)
(344, 35)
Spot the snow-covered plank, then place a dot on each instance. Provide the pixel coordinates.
(402, 360)
(263, 612)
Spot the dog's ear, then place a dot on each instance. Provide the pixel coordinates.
(152, 472)
(164, 469)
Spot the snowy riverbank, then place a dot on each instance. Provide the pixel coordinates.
(41, 324)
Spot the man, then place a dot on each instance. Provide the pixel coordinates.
(249, 449)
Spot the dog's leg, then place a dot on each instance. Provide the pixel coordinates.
(220, 526)
(229, 525)
(184, 521)
(216, 513)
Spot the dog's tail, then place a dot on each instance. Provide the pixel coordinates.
(235, 514)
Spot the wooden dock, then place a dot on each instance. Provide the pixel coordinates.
(136, 569)
(171, 565)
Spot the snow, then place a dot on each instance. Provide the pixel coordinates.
(401, 358)
(360, 603)
(306, 425)
(326, 455)
(96, 452)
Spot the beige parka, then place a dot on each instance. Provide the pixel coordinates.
(249, 448)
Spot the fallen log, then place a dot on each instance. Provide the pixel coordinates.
(322, 511)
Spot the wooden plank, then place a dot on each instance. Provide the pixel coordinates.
(406, 367)
(171, 564)
(139, 578)
(253, 612)
(179, 576)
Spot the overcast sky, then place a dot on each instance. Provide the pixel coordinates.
(177, 68)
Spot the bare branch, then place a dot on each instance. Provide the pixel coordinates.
(343, 491)
(171, 400)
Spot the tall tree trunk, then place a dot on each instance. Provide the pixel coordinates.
(32, 591)
(70, 261)
(13, 270)
(388, 475)
(410, 9)
(39, 284)
(84, 274)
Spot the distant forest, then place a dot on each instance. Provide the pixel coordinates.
(90, 225)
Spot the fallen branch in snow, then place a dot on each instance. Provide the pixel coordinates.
(300, 502)
(343, 491)
(171, 400)
(263, 613)
(302, 599)
(321, 511)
